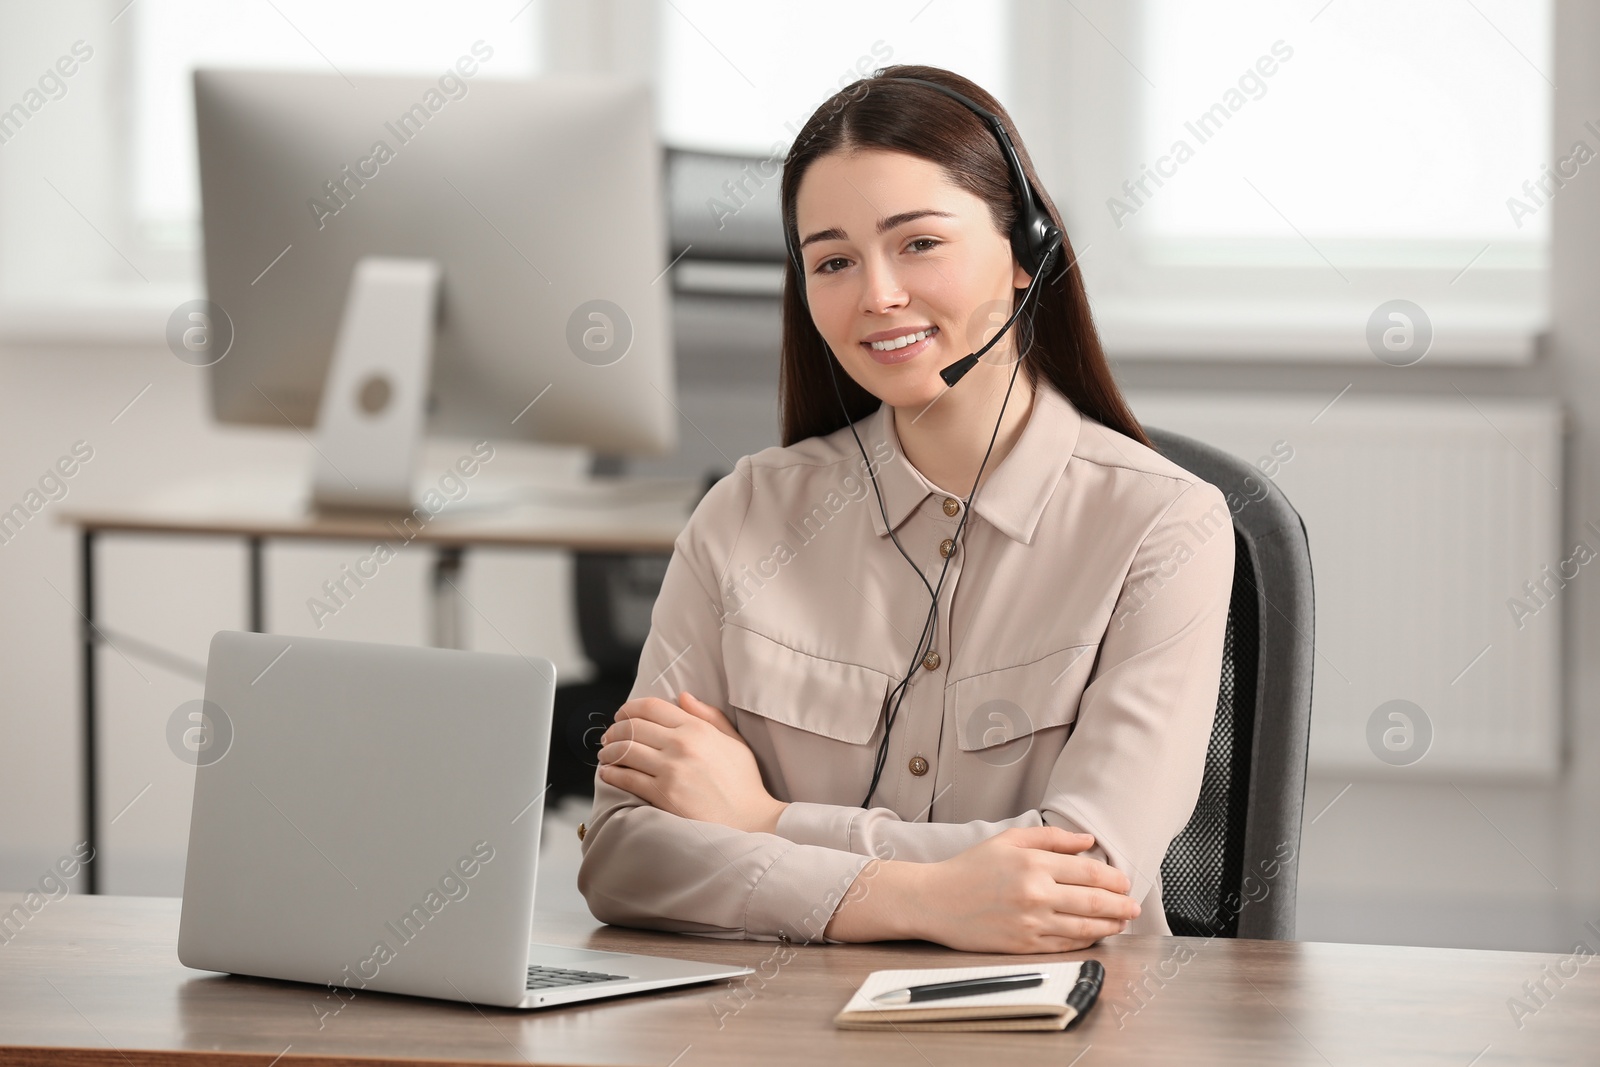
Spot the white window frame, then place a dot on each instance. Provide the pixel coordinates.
(1086, 142)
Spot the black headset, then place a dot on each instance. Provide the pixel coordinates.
(1035, 239)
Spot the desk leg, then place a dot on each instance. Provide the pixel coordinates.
(256, 607)
(91, 758)
(446, 601)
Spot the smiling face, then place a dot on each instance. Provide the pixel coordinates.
(893, 250)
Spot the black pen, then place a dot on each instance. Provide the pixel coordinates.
(965, 987)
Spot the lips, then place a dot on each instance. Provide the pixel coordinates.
(906, 352)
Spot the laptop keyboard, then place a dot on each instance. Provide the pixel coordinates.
(556, 977)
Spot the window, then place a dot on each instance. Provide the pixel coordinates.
(172, 37)
(100, 212)
(738, 77)
(1377, 122)
(1253, 179)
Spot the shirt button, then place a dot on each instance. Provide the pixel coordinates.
(947, 548)
(951, 505)
(581, 830)
(931, 660)
(919, 766)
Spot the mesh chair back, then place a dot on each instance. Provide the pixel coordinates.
(1206, 859)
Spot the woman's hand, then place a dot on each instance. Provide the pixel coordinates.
(1022, 890)
(688, 759)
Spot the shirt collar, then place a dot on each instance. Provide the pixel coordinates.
(1015, 494)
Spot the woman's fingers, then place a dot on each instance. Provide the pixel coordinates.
(1089, 888)
(1095, 903)
(1080, 931)
(1050, 839)
(643, 731)
(638, 783)
(652, 709)
(689, 708)
(630, 753)
(1088, 871)
(707, 712)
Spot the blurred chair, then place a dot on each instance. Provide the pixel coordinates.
(612, 589)
(1232, 871)
(615, 592)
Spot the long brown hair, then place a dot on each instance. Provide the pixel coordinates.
(1057, 336)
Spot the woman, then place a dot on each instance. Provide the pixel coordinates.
(796, 760)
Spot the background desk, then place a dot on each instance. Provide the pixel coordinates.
(594, 515)
(96, 980)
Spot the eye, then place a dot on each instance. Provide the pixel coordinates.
(931, 241)
(824, 263)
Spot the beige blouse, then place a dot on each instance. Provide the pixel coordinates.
(1072, 683)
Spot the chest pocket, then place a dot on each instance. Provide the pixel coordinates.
(998, 712)
(834, 699)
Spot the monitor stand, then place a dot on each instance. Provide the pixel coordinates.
(374, 401)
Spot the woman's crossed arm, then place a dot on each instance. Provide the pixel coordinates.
(1023, 889)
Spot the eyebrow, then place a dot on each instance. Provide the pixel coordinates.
(884, 225)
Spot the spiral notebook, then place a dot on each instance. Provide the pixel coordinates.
(1042, 1007)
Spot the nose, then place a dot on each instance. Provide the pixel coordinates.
(880, 287)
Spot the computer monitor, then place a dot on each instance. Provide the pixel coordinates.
(455, 255)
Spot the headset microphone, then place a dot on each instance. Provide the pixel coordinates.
(958, 370)
(1035, 241)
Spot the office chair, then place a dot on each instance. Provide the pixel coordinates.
(1232, 871)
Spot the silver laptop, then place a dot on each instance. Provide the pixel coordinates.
(366, 817)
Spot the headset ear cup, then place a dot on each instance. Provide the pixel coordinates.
(1034, 238)
(1050, 242)
(1058, 264)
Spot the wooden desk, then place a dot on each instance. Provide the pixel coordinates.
(585, 515)
(96, 980)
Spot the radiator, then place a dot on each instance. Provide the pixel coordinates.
(1442, 577)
